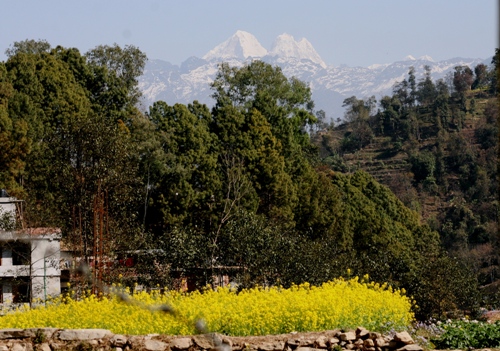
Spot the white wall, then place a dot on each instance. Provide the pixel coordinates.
(44, 269)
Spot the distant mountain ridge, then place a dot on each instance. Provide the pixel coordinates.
(330, 85)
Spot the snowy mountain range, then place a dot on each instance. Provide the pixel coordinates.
(330, 85)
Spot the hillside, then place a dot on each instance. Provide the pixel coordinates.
(438, 154)
(390, 164)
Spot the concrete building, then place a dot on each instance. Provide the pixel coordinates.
(30, 259)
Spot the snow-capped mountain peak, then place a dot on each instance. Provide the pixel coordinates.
(426, 58)
(286, 47)
(241, 45)
(330, 85)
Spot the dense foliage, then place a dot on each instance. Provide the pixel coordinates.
(238, 189)
(258, 311)
(435, 145)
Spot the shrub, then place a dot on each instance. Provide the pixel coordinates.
(468, 334)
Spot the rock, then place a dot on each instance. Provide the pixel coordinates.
(349, 346)
(362, 333)
(46, 333)
(4, 348)
(404, 338)
(136, 342)
(246, 347)
(228, 341)
(333, 341)
(375, 335)
(369, 343)
(181, 343)
(83, 334)
(207, 341)
(304, 348)
(265, 346)
(155, 345)
(16, 333)
(411, 347)
(279, 345)
(56, 346)
(294, 343)
(393, 344)
(381, 342)
(349, 336)
(21, 346)
(118, 340)
(237, 345)
(43, 347)
(321, 342)
(358, 343)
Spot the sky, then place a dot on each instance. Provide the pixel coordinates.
(350, 32)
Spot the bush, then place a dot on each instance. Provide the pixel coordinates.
(468, 334)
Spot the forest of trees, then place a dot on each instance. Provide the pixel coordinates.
(442, 138)
(241, 184)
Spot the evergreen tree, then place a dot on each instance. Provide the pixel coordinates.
(426, 92)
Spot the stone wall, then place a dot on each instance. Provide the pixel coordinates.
(52, 339)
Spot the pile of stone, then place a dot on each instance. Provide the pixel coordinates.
(359, 340)
(51, 339)
(364, 340)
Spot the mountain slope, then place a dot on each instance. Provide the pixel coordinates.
(241, 45)
(286, 48)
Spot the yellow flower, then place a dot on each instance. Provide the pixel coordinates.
(336, 304)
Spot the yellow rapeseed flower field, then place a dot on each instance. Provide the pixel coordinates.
(342, 303)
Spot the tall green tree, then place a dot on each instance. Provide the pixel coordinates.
(14, 138)
(481, 75)
(462, 79)
(426, 92)
(285, 103)
(189, 181)
(28, 46)
(121, 67)
(495, 72)
(359, 114)
(80, 150)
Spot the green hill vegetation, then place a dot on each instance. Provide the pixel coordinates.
(241, 188)
(435, 145)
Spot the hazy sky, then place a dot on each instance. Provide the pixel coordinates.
(352, 32)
